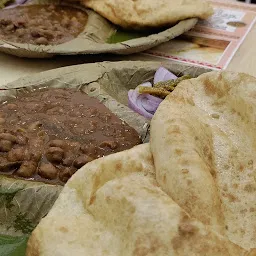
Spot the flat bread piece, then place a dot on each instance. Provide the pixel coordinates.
(114, 206)
(191, 191)
(150, 13)
(203, 139)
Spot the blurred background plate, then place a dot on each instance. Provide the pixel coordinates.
(99, 36)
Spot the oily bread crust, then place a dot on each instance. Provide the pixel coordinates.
(205, 130)
(33, 245)
(142, 14)
(252, 253)
(112, 206)
(174, 196)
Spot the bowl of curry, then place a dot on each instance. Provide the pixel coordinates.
(48, 134)
(41, 24)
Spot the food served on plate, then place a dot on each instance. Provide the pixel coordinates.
(144, 14)
(190, 191)
(48, 134)
(84, 33)
(41, 24)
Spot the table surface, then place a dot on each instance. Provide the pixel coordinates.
(12, 68)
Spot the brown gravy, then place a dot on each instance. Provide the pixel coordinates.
(41, 24)
(48, 134)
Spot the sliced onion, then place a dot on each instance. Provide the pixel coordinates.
(148, 105)
(155, 99)
(162, 74)
(144, 104)
(150, 97)
(16, 3)
(135, 104)
(11, 6)
(149, 102)
(20, 1)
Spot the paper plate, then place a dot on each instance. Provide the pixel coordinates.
(99, 36)
(24, 203)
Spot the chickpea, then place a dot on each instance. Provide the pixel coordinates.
(59, 35)
(16, 154)
(48, 171)
(65, 22)
(85, 148)
(20, 23)
(51, 7)
(58, 143)
(90, 150)
(35, 155)
(41, 40)
(48, 34)
(27, 169)
(8, 136)
(82, 160)
(20, 31)
(5, 22)
(36, 32)
(54, 154)
(65, 174)
(9, 27)
(5, 145)
(74, 19)
(80, 15)
(36, 149)
(68, 161)
(109, 144)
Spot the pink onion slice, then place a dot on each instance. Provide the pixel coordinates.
(135, 104)
(146, 104)
(153, 98)
(16, 3)
(148, 99)
(162, 74)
